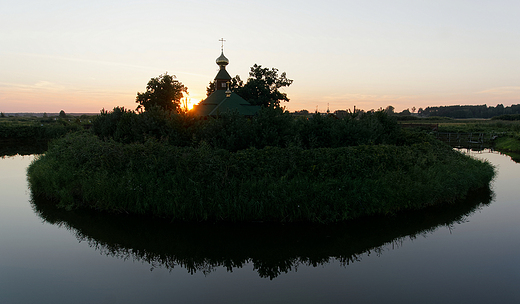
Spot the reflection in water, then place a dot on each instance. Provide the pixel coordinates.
(11, 147)
(273, 249)
(513, 155)
(486, 149)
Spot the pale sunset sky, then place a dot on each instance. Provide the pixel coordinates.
(83, 56)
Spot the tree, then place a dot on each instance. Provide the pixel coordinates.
(389, 110)
(301, 112)
(405, 112)
(262, 86)
(164, 91)
(62, 114)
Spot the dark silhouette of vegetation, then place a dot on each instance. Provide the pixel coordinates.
(478, 111)
(272, 167)
(262, 88)
(205, 247)
(62, 115)
(271, 127)
(164, 92)
(290, 184)
(511, 117)
(10, 147)
(37, 129)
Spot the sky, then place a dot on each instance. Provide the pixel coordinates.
(84, 56)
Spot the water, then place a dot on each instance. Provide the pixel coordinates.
(463, 253)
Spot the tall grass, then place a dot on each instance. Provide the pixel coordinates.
(232, 132)
(290, 184)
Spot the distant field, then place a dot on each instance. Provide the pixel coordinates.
(468, 125)
(48, 114)
(41, 128)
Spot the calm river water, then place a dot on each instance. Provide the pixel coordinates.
(467, 252)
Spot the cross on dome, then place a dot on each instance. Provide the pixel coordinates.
(222, 46)
(222, 61)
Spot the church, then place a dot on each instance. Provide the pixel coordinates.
(222, 100)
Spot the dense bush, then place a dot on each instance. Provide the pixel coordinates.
(271, 127)
(270, 184)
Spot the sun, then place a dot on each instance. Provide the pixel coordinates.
(188, 103)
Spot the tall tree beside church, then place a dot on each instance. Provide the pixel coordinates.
(262, 87)
(164, 91)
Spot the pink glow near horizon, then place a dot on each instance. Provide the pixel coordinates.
(83, 57)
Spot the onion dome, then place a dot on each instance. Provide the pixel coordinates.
(222, 60)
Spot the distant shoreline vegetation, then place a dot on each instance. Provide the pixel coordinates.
(41, 126)
(273, 167)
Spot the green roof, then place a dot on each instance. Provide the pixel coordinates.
(218, 103)
(223, 74)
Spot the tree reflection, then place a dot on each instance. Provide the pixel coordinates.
(272, 249)
(10, 147)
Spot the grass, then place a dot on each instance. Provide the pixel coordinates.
(471, 125)
(509, 146)
(291, 184)
(40, 128)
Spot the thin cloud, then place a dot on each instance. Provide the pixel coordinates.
(110, 63)
(369, 97)
(43, 86)
(40, 85)
(502, 90)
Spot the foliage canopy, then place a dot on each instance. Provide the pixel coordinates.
(164, 91)
(262, 88)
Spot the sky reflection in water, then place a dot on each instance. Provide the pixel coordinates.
(473, 260)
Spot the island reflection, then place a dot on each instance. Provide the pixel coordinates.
(273, 249)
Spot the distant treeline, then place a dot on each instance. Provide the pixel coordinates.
(17, 129)
(507, 117)
(479, 111)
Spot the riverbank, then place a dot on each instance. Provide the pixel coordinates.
(509, 145)
(275, 184)
(504, 129)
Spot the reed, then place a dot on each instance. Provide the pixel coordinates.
(290, 184)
